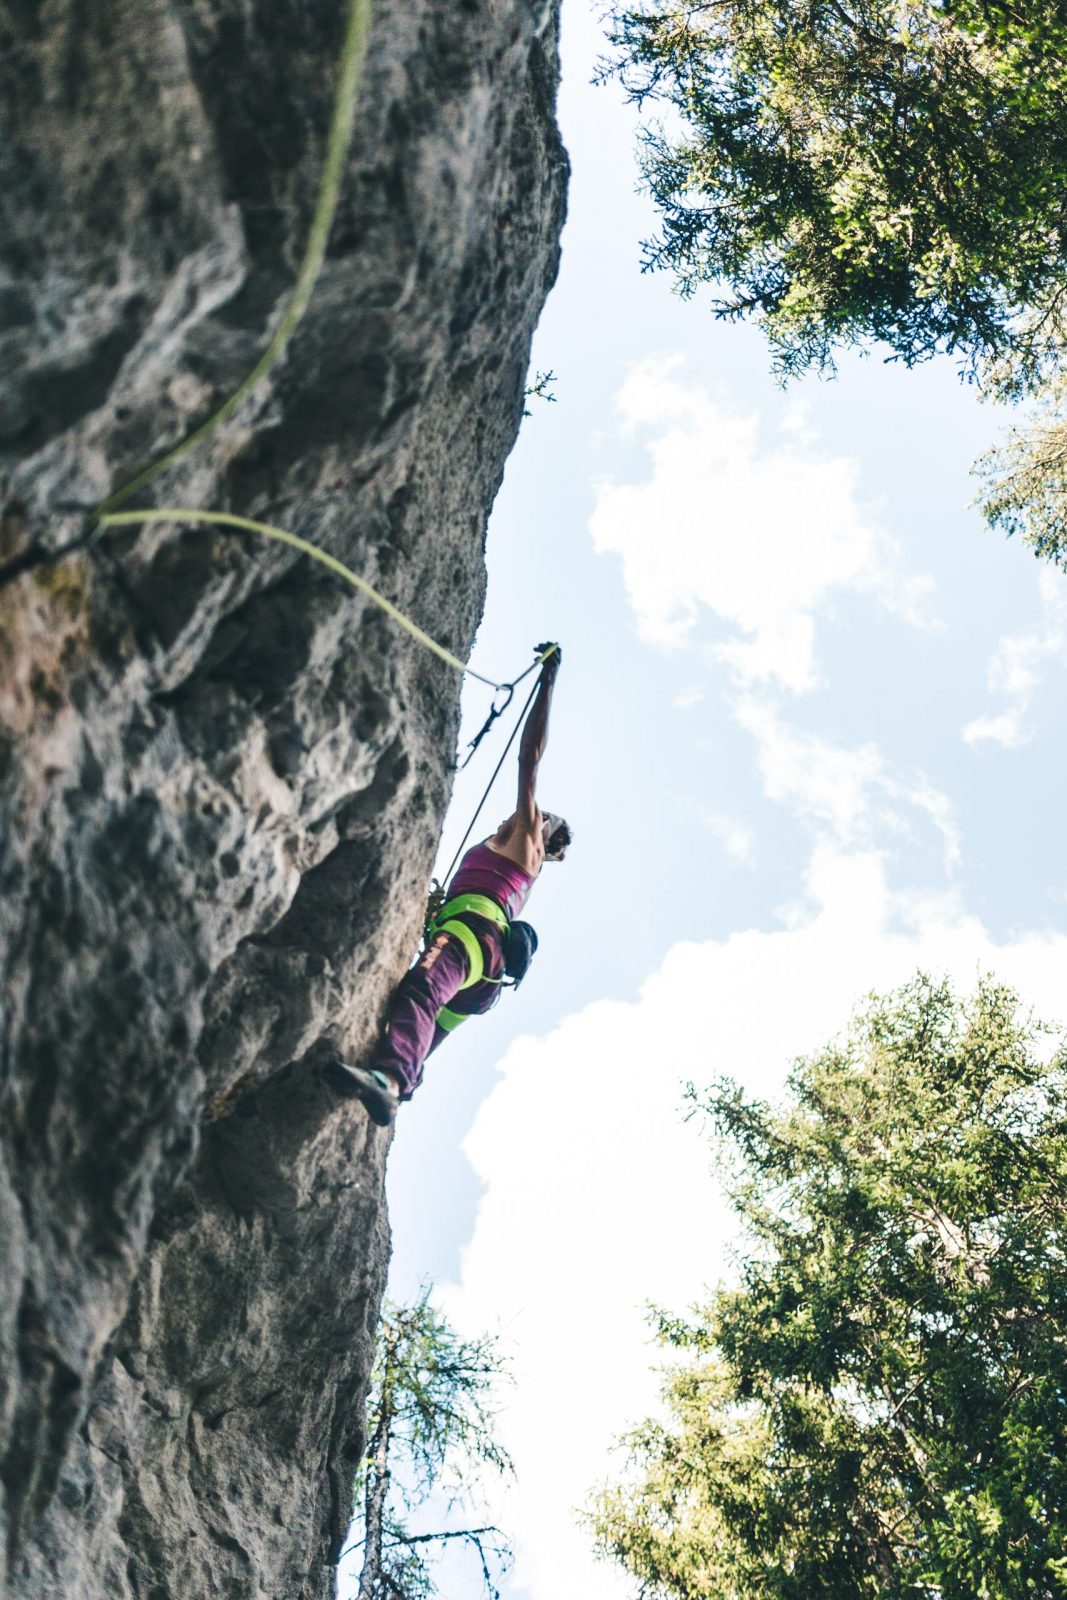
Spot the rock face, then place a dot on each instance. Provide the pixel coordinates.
(222, 775)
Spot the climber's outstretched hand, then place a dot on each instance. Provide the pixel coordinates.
(550, 665)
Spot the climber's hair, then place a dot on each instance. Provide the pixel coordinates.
(558, 840)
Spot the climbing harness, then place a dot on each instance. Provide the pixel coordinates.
(478, 905)
(519, 945)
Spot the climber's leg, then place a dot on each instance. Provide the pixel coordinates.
(411, 1032)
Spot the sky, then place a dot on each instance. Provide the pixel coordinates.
(809, 733)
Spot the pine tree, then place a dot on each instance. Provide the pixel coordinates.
(878, 1409)
(430, 1416)
(849, 170)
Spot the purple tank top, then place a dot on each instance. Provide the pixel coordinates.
(485, 871)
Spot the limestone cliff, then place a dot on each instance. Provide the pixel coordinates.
(222, 775)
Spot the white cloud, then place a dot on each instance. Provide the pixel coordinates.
(599, 1198)
(736, 837)
(1007, 729)
(1018, 664)
(762, 533)
(853, 795)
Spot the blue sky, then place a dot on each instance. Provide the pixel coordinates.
(810, 734)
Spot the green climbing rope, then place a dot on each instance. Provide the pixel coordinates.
(353, 55)
(119, 519)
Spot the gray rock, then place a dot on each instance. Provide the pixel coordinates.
(222, 774)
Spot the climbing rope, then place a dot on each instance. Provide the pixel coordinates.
(226, 519)
(119, 519)
(339, 139)
(353, 56)
(496, 770)
(495, 711)
(438, 896)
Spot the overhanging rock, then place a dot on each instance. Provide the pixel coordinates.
(222, 776)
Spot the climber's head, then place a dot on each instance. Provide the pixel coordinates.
(556, 834)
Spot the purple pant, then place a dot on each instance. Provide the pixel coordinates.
(411, 1031)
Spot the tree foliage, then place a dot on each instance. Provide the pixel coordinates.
(879, 1407)
(539, 389)
(430, 1416)
(1025, 478)
(856, 169)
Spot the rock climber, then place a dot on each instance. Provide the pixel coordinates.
(476, 941)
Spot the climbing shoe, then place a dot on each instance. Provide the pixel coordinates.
(378, 1092)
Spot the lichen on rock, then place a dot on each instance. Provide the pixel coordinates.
(223, 775)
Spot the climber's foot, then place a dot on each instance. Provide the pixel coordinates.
(379, 1092)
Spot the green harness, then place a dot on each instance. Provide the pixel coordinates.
(447, 921)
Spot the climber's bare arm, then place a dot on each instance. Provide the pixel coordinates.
(533, 744)
(519, 838)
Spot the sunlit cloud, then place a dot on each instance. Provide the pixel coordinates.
(599, 1197)
(757, 526)
(851, 794)
(1018, 665)
(736, 837)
